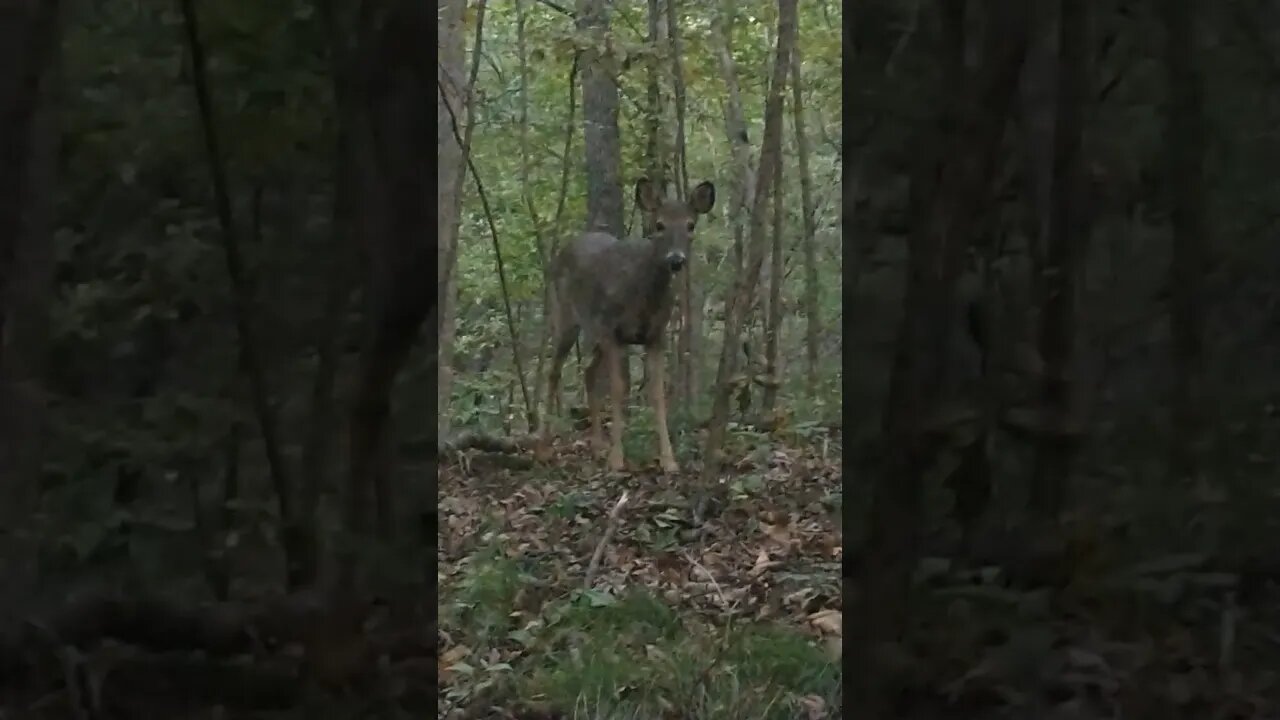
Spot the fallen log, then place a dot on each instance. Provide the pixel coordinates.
(487, 443)
(251, 655)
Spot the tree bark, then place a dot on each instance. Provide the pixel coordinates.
(776, 272)
(241, 286)
(393, 222)
(30, 36)
(813, 321)
(218, 570)
(1066, 231)
(735, 126)
(454, 117)
(1038, 114)
(526, 190)
(600, 116)
(321, 426)
(746, 281)
(655, 154)
(951, 186)
(686, 345)
(600, 137)
(656, 150)
(553, 247)
(1185, 150)
(29, 61)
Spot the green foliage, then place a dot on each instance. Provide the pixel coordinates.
(143, 355)
(486, 595)
(633, 656)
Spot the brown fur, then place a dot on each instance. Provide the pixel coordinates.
(620, 292)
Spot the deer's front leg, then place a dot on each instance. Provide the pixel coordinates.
(543, 448)
(613, 361)
(655, 369)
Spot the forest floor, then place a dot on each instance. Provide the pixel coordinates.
(737, 615)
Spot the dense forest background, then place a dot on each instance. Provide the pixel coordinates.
(220, 427)
(528, 152)
(215, 227)
(1030, 282)
(1070, 456)
(568, 588)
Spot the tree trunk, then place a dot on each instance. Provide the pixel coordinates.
(242, 291)
(392, 220)
(218, 569)
(949, 188)
(813, 322)
(526, 190)
(30, 37)
(735, 126)
(686, 345)
(656, 150)
(1185, 150)
(600, 136)
(1066, 231)
(321, 426)
(557, 227)
(776, 272)
(745, 284)
(600, 120)
(1038, 113)
(655, 154)
(29, 60)
(454, 119)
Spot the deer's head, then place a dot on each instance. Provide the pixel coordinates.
(673, 220)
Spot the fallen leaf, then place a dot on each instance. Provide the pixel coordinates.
(828, 621)
(815, 708)
(780, 534)
(834, 648)
(454, 654)
(762, 565)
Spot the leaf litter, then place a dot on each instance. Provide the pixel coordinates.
(772, 554)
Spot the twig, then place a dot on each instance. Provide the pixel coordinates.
(1227, 634)
(903, 40)
(609, 530)
(697, 565)
(237, 272)
(487, 443)
(558, 8)
(497, 253)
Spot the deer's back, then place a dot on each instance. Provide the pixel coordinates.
(600, 264)
(610, 285)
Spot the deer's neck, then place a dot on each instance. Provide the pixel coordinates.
(648, 299)
(658, 282)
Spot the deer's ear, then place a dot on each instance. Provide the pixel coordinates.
(647, 195)
(703, 198)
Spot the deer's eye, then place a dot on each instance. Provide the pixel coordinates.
(691, 225)
(662, 225)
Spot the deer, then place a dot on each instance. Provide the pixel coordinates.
(618, 293)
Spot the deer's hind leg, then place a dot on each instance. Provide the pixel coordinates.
(562, 343)
(591, 380)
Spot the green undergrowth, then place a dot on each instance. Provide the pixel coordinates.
(514, 642)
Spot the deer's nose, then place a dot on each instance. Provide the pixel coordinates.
(675, 260)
